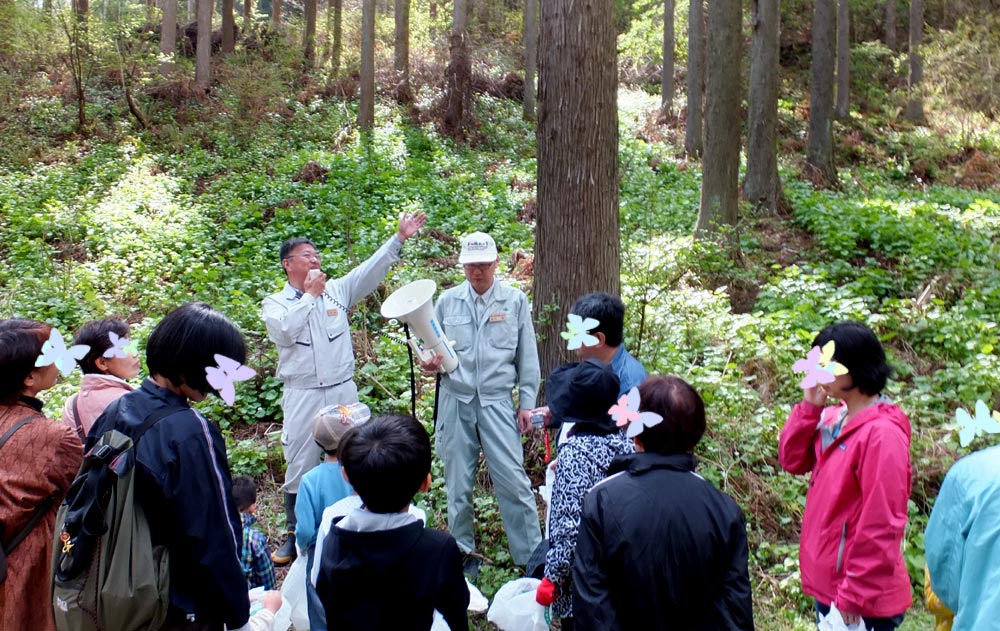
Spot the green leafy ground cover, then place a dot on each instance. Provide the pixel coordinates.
(133, 225)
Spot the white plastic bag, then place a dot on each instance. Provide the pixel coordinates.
(514, 607)
(477, 602)
(293, 591)
(834, 622)
(281, 617)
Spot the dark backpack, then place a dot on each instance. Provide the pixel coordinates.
(6, 547)
(106, 573)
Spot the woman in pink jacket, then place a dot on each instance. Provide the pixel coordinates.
(858, 455)
(106, 367)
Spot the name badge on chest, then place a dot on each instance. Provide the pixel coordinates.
(332, 312)
(498, 317)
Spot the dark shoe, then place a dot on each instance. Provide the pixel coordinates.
(471, 564)
(286, 553)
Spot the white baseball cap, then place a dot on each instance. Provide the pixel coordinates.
(478, 247)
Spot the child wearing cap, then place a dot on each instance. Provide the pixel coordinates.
(323, 486)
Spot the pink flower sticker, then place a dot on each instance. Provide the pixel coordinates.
(626, 412)
(224, 377)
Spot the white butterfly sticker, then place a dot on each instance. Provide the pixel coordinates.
(224, 377)
(121, 347)
(578, 332)
(54, 351)
(626, 412)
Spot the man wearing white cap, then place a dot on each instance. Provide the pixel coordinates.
(490, 325)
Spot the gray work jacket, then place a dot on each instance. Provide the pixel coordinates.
(495, 353)
(312, 334)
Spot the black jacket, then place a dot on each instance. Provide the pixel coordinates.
(660, 548)
(392, 580)
(184, 485)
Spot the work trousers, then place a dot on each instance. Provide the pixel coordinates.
(462, 430)
(300, 407)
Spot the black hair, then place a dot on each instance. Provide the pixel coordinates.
(244, 492)
(186, 341)
(291, 244)
(20, 345)
(683, 413)
(858, 350)
(95, 335)
(386, 461)
(607, 309)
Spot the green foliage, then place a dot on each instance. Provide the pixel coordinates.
(963, 64)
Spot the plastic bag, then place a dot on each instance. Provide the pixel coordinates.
(477, 602)
(282, 618)
(514, 607)
(293, 591)
(834, 622)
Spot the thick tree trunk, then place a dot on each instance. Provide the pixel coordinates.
(458, 74)
(890, 24)
(762, 187)
(694, 135)
(276, 12)
(81, 8)
(577, 239)
(915, 104)
(248, 9)
(366, 106)
(667, 75)
(820, 144)
(335, 27)
(530, 37)
(401, 45)
(168, 36)
(309, 35)
(228, 26)
(203, 49)
(843, 59)
(721, 164)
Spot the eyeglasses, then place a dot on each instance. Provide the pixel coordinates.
(311, 255)
(479, 267)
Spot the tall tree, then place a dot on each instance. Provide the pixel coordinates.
(203, 47)
(530, 37)
(915, 103)
(248, 8)
(168, 36)
(228, 26)
(843, 108)
(276, 12)
(667, 76)
(81, 8)
(577, 239)
(890, 24)
(191, 10)
(458, 75)
(333, 27)
(309, 34)
(762, 186)
(721, 164)
(694, 134)
(366, 106)
(401, 45)
(820, 143)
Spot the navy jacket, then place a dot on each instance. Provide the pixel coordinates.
(660, 548)
(392, 580)
(184, 485)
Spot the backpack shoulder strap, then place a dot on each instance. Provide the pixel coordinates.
(77, 425)
(18, 425)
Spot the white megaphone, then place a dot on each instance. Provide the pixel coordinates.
(413, 305)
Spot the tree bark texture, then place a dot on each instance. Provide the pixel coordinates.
(228, 26)
(81, 8)
(721, 163)
(203, 48)
(366, 106)
(820, 143)
(694, 134)
(335, 26)
(667, 75)
(401, 45)
(309, 34)
(762, 186)
(890, 24)
(248, 8)
(577, 238)
(168, 35)
(458, 74)
(915, 104)
(276, 12)
(530, 37)
(843, 59)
